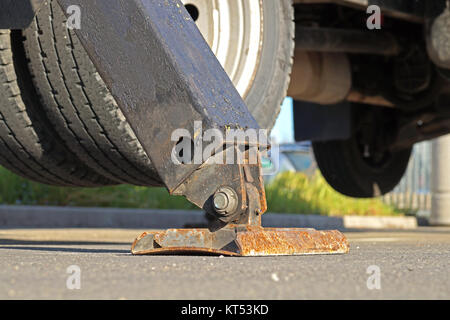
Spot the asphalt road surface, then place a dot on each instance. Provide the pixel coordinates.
(402, 265)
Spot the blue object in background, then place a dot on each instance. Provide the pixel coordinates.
(283, 131)
(290, 156)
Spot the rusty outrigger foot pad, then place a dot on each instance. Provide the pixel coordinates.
(241, 241)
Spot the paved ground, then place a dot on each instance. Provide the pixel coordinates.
(33, 265)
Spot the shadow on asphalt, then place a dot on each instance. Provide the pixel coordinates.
(60, 243)
(73, 250)
(430, 230)
(12, 244)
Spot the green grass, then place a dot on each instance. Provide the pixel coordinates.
(288, 193)
(293, 192)
(16, 190)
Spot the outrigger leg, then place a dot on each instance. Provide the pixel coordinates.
(164, 77)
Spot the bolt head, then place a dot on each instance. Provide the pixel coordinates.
(225, 201)
(220, 201)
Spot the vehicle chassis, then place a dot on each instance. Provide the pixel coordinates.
(164, 76)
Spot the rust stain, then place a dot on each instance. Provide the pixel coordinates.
(249, 241)
(268, 242)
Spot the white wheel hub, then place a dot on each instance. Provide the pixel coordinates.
(234, 31)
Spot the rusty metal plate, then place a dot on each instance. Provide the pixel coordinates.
(276, 241)
(241, 241)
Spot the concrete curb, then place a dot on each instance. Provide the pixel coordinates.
(71, 217)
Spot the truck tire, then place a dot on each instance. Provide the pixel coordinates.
(87, 117)
(271, 81)
(78, 103)
(28, 145)
(346, 169)
(259, 58)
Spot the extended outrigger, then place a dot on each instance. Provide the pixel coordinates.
(158, 67)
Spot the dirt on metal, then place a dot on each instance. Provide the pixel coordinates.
(241, 241)
(257, 241)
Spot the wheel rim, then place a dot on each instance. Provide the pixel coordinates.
(234, 31)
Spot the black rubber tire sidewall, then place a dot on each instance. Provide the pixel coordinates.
(29, 146)
(343, 167)
(272, 77)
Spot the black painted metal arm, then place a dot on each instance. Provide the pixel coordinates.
(164, 77)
